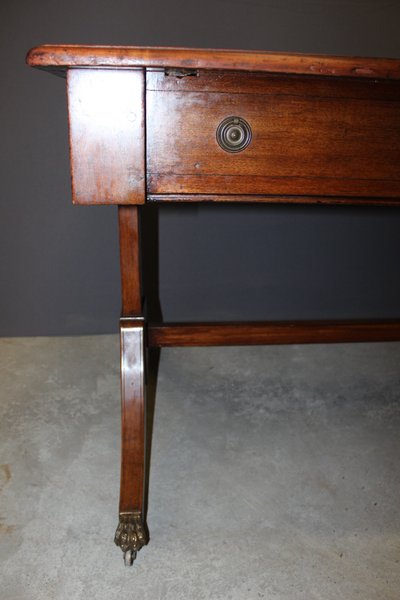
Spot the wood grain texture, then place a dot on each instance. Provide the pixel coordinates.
(236, 185)
(271, 199)
(106, 125)
(239, 82)
(307, 139)
(63, 56)
(133, 416)
(129, 244)
(247, 334)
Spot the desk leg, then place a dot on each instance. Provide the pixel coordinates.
(131, 532)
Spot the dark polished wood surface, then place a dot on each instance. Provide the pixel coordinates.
(64, 56)
(131, 533)
(129, 244)
(143, 128)
(106, 125)
(272, 199)
(133, 416)
(272, 332)
(309, 138)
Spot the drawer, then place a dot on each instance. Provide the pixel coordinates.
(310, 136)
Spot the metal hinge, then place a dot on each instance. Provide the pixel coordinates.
(173, 72)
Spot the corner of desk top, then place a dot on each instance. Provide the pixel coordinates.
(39, 58)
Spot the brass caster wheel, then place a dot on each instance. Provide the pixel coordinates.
(129, 557)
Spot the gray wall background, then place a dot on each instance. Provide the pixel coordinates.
(59, 263)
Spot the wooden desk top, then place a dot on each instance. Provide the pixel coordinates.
(150, 124)
(60, 57)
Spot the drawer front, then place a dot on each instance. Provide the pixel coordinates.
(310, 136)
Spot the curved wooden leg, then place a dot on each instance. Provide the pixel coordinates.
(131, 532)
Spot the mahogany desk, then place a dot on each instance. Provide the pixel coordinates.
(186, 125)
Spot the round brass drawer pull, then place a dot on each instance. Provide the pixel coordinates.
(234, 134)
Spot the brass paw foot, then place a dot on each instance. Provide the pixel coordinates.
(131, 535)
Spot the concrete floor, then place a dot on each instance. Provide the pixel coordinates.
(274, 473)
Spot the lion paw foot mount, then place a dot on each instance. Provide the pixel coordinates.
(131, 535)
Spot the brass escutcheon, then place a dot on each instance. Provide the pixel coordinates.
(234, 134)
